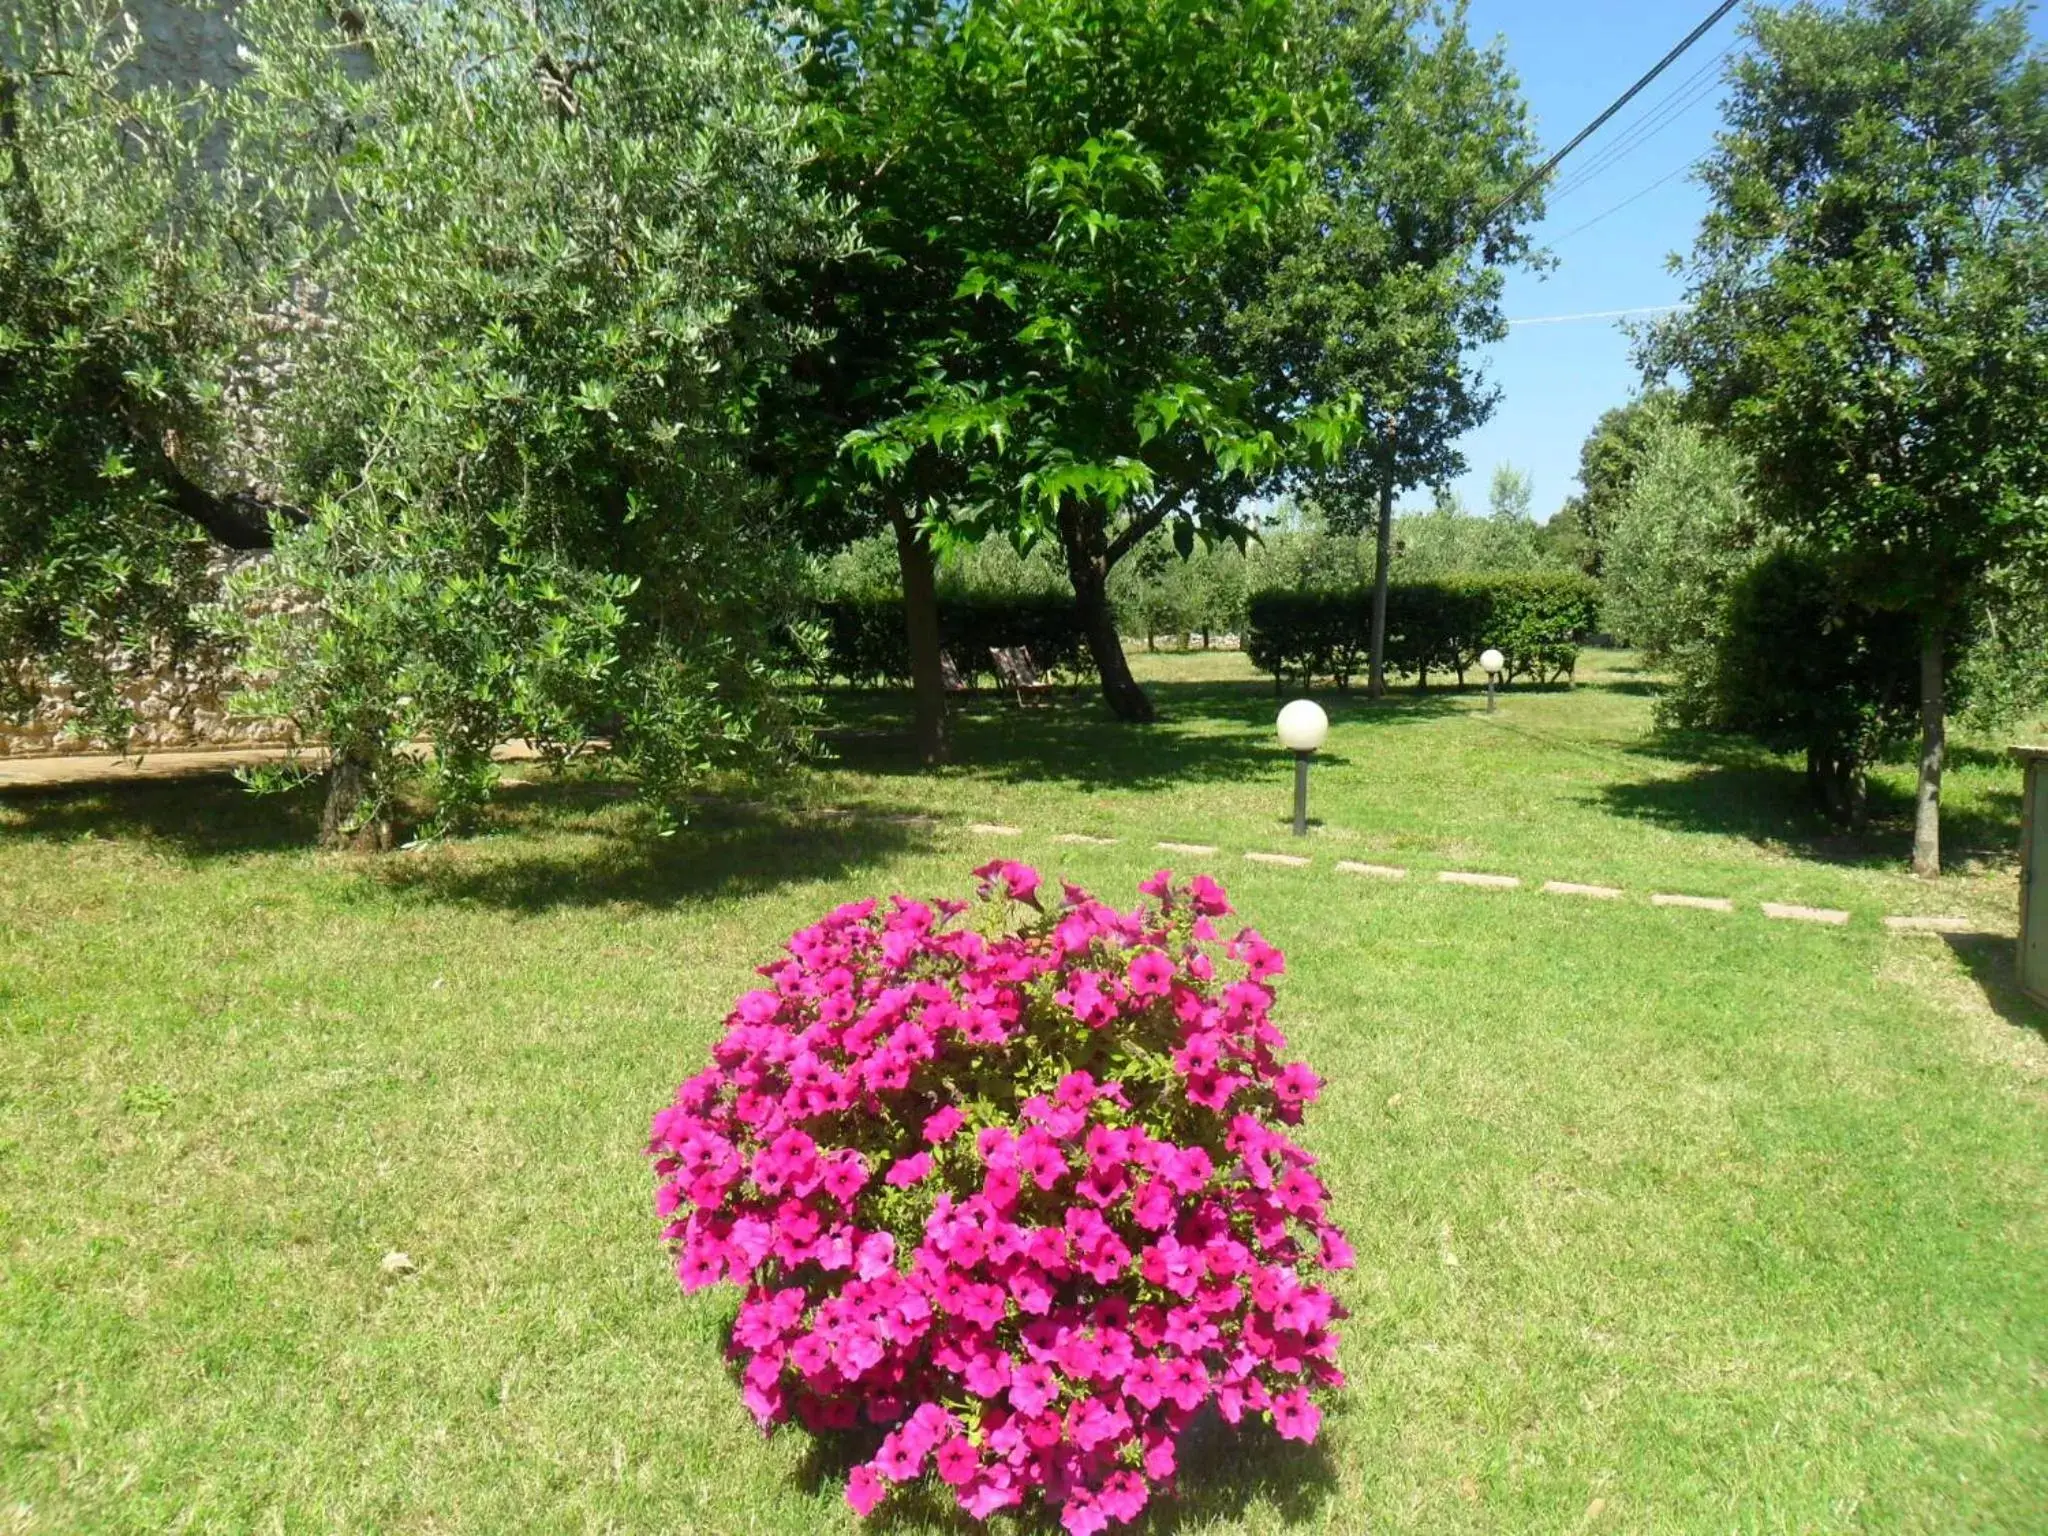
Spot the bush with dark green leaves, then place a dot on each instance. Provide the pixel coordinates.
(1537, 619)
(1804, 668)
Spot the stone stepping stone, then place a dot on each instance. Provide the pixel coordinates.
(1291, 860)
(1698, 903)
(1788, 913)
(993, 829)
(1378, 871)
(1187, 847)
(1084, 837)
(1930, 925)
(1468, 877)
(1572, 888)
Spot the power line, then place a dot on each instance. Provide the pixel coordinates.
(1674, 106)
(1619, 102)
(1597, 314)
(1633, 197)
(1697, 87)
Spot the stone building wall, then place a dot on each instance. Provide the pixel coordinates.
(178, 705)
(181, 705)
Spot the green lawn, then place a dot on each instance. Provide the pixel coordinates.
(1667, 1220)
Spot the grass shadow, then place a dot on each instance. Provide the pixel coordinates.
(584, 844)
(1206, 733)
(196, 817)
(1992, 961)
(1738, 789)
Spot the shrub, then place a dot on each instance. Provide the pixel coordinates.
(1012, 1204)
(1804, 669)
(1537, 618)
(1679, 535)
(865, 641)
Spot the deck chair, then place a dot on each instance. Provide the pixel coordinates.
(949, 674)
(1017, 671)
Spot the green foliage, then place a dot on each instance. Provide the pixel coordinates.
(1074, 210)
(1608, 461)
(1869, 292)
(1677, 539)
(1381, 291)
(1448, 541)
(2003, 676)
(1804, 667)
(124, 306)
(1158, 591)
(1538, 620)
(866, 644)
(542, 240)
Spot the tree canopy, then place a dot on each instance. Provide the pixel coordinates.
(1868, 316)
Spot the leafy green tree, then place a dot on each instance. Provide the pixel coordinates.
(128, 301)
(1680, 537)
(1068, 202)
(1509, 495)
(1608, 460)
(1804, 666)
(542, 234)
(1391, 279)
(1869, 308)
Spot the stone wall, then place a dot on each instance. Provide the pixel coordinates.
(179, 705)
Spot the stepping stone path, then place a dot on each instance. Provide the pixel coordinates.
(1783, 911)
(1570, 888)
(1700, 903)
(1789, 913)
(1930, 925)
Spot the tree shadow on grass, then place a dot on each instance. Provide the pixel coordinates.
(195, 817)
(1223, 1472)
(606, 854)
(1992, 961)
(1206, 733)
(1739, 789)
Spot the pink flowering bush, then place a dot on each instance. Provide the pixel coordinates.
(1014, 1202)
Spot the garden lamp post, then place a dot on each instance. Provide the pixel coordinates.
(1493, 663)
(1303, 727)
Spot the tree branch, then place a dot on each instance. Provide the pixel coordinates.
(1138, 527)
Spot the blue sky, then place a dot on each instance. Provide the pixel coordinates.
(1573, 58)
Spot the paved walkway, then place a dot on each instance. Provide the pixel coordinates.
(97, 768)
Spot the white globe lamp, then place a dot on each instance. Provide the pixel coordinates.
(1492, 663)
(1303, 727)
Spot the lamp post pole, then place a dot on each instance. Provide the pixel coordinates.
(1303, 727)
(1494, 663)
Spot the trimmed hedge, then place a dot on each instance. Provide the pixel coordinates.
(1539, 619)
(865, 642)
